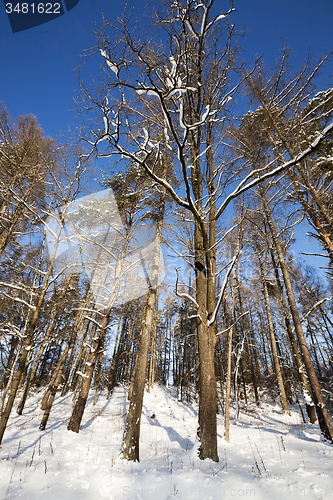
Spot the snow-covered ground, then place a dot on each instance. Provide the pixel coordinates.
(270, 456)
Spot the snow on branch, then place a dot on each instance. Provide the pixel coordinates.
(224, 236)
(233, 324)
(319, 303)
(95, 311)
(93, 321)
(219, 17)
(16, 287)
(111, 65)
(242, 186)
(184, 295)
(21, 301)
(212, 319)
(315, 254)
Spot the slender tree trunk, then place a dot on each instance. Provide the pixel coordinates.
(82, 354)
(114, 352)
(55, 385)
(14, 345)
(254, 349)
(321, 410)
(77, 328)
(30, 330)
(130, 444)
(152, 360)
(116, 357)
(32, 374)
(300, 367)
(314, 350)
(77, 414)
(52, 381)
(277, 367)
(248, 351)
(229, 361)
(72, 355)
(98, 371)
(10, 378)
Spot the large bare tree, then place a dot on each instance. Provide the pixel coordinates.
(190, 78)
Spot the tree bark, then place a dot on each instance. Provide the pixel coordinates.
(54, 386)
(130, 444)
(77, 414)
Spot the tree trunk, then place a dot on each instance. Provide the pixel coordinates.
(277, 367)
(321, 410)
(151, 377)
(30, 330)
(300, 367)
(34, 369)
(72, 355)
(54, 386)
(14, 343)
(82, 355)
(229, 361)
(207, 429)
(248, 350)
(114, 352)
(10, 378)
(77, 414)
(130, 444)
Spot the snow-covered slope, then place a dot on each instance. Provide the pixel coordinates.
(270, 455)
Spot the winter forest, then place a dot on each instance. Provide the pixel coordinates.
(168, 299)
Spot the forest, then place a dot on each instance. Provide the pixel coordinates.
(179, 269)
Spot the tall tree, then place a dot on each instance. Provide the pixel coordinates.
(26, 158)
(189, 79)
(292, 114)
(37, 299)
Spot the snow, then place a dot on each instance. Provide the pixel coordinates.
(204, 116)
(173, 67)
(270, 455)
(106, 126)
(111, 65)
(221, 16)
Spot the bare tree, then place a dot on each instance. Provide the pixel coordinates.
(189, 80)
(26, 158)
(37, 295)
(292, 114)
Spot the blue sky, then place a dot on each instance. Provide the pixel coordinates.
(37, 73)
(37, 65)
